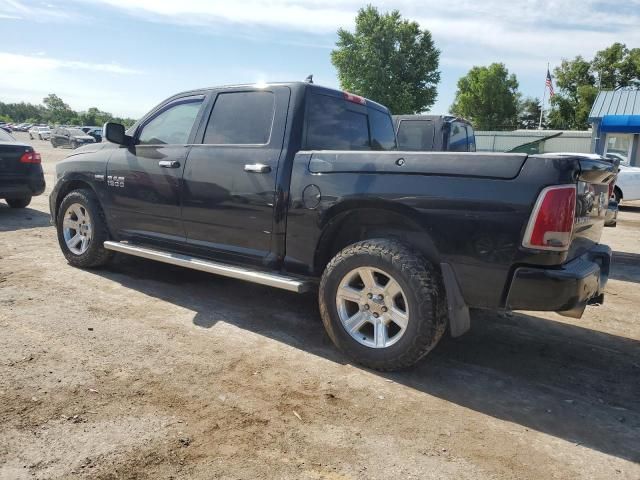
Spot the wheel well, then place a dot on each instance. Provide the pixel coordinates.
(66, 189)
(359, 224)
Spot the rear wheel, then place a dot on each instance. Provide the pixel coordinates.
(19, 202)
(617, 195)
(82, 230)
(382, 304)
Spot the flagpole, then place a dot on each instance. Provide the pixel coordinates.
(544, 96)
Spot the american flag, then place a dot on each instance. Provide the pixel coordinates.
(549, 84)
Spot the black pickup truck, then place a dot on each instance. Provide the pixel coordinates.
(301, 187)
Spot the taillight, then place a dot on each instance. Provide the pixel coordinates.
(30, 157)
(350, 97)
(611, 187)
(551, 222)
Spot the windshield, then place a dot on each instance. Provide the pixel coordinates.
(76, 131)
(43, 129)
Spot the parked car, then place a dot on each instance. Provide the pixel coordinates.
(88, 128)
(300, 187)
(70, 137)
(627, 186)
(434, 133)
(6, 127)
(41, 133)
(21, 175)
(96, 133)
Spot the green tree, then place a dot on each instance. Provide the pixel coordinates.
(575, 94)
(488, 97)
(617, 66)
(388, 59)
(57, 111)
(94, 116)
(529, 113)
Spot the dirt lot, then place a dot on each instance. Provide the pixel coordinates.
(145, 370)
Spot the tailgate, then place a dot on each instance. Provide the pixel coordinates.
(592, 201)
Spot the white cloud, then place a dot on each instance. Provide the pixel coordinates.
(17, 9)
(38, 63)
(466, 31)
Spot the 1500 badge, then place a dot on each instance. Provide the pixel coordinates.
(114, 181)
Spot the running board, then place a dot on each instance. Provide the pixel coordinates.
(255, 276)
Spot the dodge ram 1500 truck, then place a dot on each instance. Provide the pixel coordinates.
(302, 187)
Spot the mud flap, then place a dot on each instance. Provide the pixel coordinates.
(459, 319)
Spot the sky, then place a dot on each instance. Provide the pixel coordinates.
(126, 56)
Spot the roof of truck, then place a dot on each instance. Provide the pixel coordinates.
(297, 85)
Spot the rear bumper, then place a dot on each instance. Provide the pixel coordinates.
(567, 289)
(23, 186)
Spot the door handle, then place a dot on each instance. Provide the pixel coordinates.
(257, 168)
(169, 163)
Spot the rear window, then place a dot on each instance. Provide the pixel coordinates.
(416, 135)
(336, 124)
(458, 137)
(382, 136)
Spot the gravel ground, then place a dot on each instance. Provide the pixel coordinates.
(144, 370)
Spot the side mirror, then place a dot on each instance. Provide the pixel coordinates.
(114, 132)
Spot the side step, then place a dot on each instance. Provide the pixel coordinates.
(255, 276)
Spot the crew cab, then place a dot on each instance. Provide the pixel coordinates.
(21, 175)
(302, 188)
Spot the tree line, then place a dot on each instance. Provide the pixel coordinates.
(55, 111)
(392, 61)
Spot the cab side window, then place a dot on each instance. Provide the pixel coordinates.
(172, 126)
(241, 118)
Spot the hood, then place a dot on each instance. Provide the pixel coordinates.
(91, 148)
(82, 137)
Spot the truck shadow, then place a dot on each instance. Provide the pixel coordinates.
(21, 218)
(574, 383)
(626, 267)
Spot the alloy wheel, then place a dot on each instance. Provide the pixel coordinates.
(372, 307)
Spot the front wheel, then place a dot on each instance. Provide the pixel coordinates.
(82, 230)
(382, 304)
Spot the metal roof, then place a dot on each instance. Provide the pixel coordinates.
(615, 102)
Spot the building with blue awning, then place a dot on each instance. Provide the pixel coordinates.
(615, 117)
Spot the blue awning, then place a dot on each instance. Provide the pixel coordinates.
(620, 123)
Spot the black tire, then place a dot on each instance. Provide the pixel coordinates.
(422, 286)
(53, 144)
(95, 255)
(617, 195)
(19, 202)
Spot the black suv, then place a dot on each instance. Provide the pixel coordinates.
(69, 137)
